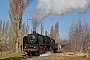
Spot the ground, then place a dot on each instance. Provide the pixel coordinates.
(60, 56)
(54, 56)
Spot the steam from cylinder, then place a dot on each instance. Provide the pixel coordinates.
(46, 8)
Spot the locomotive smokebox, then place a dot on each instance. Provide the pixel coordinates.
(34, 32)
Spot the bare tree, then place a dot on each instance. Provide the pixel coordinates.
(75, 35)
(0, 26)
(23, 29)
(86, 36)
(52, 32)
(16, 11)
(1, 35)
(56, 32)
(79, 36)
(72, 38)
(6, 34)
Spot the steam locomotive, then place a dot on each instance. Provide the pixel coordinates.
(37, 44)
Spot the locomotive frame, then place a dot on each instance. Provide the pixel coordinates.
(36, 44)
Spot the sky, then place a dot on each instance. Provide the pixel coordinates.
(65, 21)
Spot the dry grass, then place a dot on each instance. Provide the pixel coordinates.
(10, 55)
(60, 56)
(56, 56)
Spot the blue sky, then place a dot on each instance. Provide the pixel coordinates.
(65, 21)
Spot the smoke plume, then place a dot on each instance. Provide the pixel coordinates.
(47, 53)
(46, 8)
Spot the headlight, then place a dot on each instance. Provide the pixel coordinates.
(26, 45)
(31, 41)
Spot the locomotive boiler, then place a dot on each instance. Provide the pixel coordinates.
(37, 44)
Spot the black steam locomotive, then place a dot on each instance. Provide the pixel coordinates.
(37, 44)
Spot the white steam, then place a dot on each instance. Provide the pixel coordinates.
(47, 53)
(46, 8)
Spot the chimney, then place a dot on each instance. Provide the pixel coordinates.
(34, 32)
